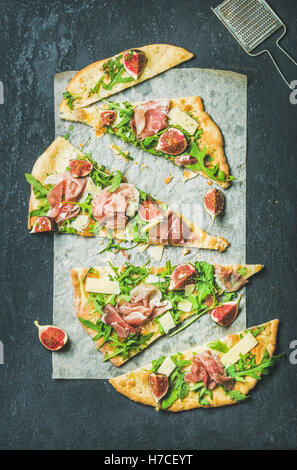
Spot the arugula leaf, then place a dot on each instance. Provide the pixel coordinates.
(237, 395)
(69, 98)
(131, 344)
(242, 271)
(40, 191)
(178, 388)
(217, 345)
(90, 270)
(157, 363)
(116, 181)
(229, 296)
(213, 173)
(246, 366)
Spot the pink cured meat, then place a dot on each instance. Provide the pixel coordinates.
(65, 188)
(113, 318)
(145, 304)
(110, 208)
(230, 279)
(171, 231)
(207, 368)
(149, 118)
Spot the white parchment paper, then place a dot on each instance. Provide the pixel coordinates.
(224, 95)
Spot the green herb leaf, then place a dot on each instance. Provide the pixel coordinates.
(218, 346)
(116, 181)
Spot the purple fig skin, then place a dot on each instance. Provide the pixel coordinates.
(225, 314)
(51, 337)
(159, 385)
(214, 202)
(44, 224)
(172, 142)
(80, 168)
(134, 62)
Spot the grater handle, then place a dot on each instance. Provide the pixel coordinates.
(273, 59)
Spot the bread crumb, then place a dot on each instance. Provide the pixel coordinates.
(168, 179)
(143, 166)
(114, 148)
(185, 251)
(209, 183)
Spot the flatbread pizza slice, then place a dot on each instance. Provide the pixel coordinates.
(219, 373)
(124, 70)
(126, 308)
(178, 130)
(71, 193)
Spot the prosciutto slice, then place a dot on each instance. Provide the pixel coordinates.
(171, 230)
(207, 368)
(113, 318)
(229, 279)
(65, 188)
(145, 305)
(112, 209)
(149, 118)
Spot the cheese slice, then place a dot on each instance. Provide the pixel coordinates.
(102, 286)
(245, 345)
(185, 305)
(177, 116)
(167, 322)
(156, 252)
(189, 289)
(80, 223)
(152, 224)
(91, 188)
(142, 247)
(167, 367)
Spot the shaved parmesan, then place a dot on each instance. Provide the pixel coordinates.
(102, 286)
(152, 224)
(167, 322)
(177, 116)
(153, 278)
(91, 188)
(167, 367)
(142, 247)
(185, 306)
(156, 252)
(189, 289)
(80, 223)
(245, 345)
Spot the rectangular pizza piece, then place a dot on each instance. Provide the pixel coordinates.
(126, 308)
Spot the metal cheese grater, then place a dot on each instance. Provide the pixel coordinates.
(251, 22)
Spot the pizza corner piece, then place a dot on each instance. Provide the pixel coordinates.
(219, 373)
(72, 193)
(106, 77)
(178, 130)
(126, 308)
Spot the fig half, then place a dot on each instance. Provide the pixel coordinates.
(149, 211)
(158, 384)
(181, 276)
(44, 224)
(52, 337)
(214, 203)
(134, 62)
(172, 142)
(226, 313)
(80, 168)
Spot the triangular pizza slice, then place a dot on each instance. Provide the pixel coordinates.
(124, 309)
(218, 373)
(71, 193)
(178, 130)
(124, 70)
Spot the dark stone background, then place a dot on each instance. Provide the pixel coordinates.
(40, 38)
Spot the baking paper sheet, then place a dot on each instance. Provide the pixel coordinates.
(224, 95)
